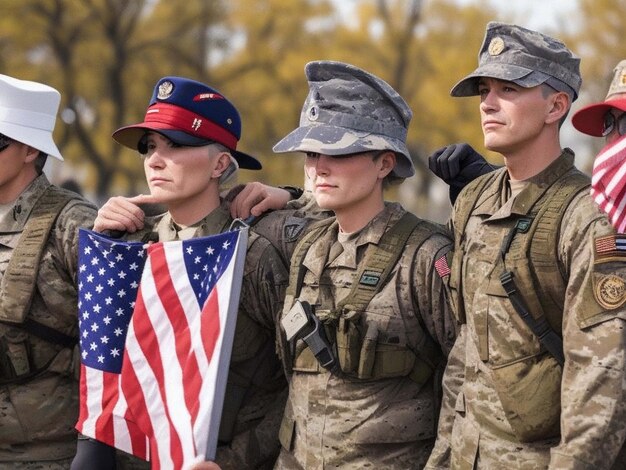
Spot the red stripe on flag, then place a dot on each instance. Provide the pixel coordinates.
(605, 244)
(177, 317)
(608, 182)
(110, 395)
(133, 392)
(210, 327)
(148, 343)
(83, 391)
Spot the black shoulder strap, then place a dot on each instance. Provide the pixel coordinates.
(541, 227)
(540, 326)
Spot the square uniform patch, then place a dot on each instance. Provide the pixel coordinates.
(612, 246)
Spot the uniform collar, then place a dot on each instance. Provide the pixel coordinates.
(491, 203)
(316, 257)
(14, 220)
(217, 221)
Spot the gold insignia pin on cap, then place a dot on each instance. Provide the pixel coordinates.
(496, 46)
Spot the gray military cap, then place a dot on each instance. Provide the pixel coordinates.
(525, 57)
(349, 110)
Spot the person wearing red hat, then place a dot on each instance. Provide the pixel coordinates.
(608, 119)
(188, 142)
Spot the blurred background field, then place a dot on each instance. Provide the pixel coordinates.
(105, 56)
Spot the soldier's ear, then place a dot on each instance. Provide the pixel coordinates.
(31, 153)
(559, 106)
(222, 164)
(387, 163)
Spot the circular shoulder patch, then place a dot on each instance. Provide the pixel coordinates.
(610, 291)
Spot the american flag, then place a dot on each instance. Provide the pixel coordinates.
(441, 265)
(608, 182)
(177, 348)
(108, 279)
(610, 246)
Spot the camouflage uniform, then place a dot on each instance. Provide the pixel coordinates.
(336, 420)
(254, 443)
(508, 381)
(508, 402)
(38, 414)
(377, 406)
(284, 228)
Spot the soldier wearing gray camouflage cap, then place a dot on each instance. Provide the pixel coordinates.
(366, 326)
(38, 297)
(349, 111)
(535, 379)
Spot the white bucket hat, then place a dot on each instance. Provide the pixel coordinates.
(28, 113)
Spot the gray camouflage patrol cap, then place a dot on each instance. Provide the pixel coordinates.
(349, 110)
(525, 57)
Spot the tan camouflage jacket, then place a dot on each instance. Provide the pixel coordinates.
(37, 417)
(386, 423)
(255, 369)
(507, 403)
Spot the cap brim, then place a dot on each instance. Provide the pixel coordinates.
(129, 136)
(522, 76)
(590, 119)
(36, 138)
(333, 140)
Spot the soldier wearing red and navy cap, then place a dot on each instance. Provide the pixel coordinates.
(188, 141)
(192, 114)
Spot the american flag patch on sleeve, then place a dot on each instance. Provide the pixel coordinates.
(441, 265)
(611, 246)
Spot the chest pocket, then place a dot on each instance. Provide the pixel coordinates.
(528, 270)
(369, 349)
(369, 343)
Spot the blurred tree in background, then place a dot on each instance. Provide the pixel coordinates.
(598, 38)
(105, 56)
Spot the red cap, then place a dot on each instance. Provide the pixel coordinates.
(590, 119)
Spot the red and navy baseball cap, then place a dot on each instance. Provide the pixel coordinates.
(192, 114)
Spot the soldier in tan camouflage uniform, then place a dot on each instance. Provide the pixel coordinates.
(371, 279)
(38, 299)
(536, 377)
(188, 142)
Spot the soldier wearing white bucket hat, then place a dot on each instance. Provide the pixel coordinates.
(38, 296)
